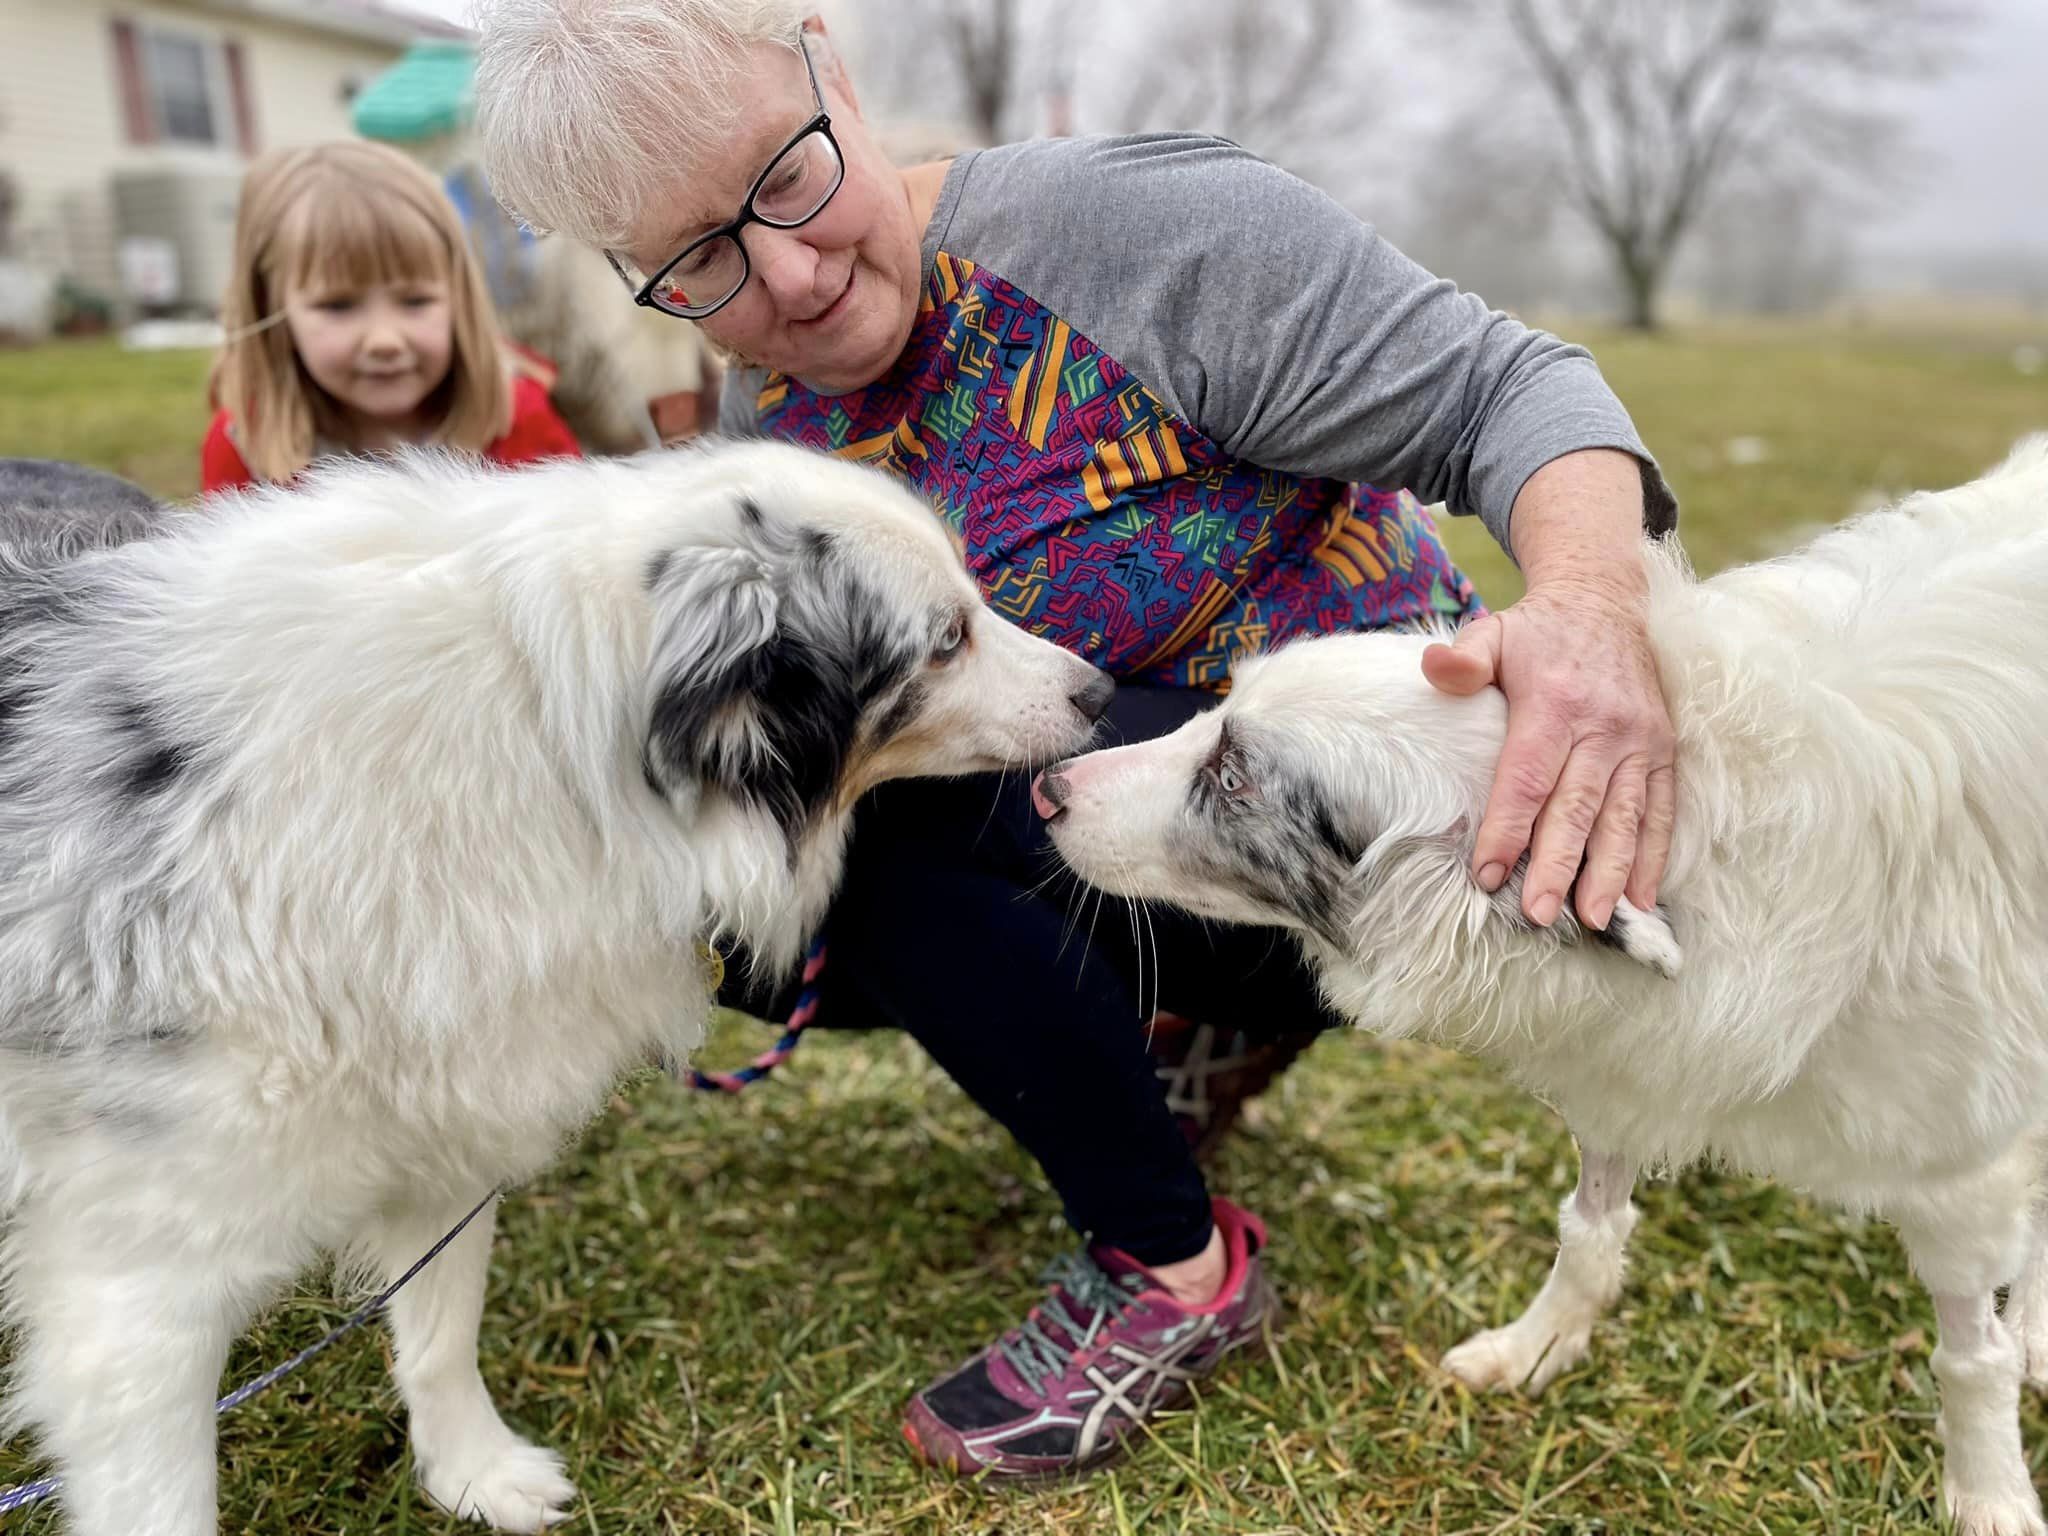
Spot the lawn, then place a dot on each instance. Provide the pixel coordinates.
(139, 414)
(715, 1306)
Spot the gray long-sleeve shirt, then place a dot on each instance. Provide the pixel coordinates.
(1169, 393)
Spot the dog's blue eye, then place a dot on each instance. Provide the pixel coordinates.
(950, 640)
(1229, 780)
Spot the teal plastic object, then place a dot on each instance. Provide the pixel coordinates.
(428, 92)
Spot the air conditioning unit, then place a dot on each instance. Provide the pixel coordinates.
(191, 211)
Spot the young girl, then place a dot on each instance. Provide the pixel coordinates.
(357, 322)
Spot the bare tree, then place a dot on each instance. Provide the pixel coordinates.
(981, 37)
(1659, 104)
(1483, 211)
(1281, 79)
(951, 58)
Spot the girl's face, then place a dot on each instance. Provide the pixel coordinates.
(380, 350)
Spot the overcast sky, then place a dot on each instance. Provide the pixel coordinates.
(1983, 128)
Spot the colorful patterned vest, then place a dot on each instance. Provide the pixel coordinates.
(1096, 517)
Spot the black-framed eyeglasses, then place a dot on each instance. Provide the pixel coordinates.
(704, 275)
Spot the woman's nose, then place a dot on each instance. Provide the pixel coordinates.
(788, 269)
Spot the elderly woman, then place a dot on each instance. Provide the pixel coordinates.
(1170, 398)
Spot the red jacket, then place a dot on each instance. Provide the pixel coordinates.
(537, 432)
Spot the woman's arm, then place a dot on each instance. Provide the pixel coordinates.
(1279, 324)
(1285, 329)
(1587, 767)
(1346, 358)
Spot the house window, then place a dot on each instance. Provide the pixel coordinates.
(180, 80)
(181, 88)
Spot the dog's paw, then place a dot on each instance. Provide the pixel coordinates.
(1996, 1516)
(504, 1482)
(1516, 1357)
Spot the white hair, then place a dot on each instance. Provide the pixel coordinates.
(587, 108)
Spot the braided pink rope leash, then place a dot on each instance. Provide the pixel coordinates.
(800, 1018)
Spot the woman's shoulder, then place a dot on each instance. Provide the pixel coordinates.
(1092, 218)
(1169, 252)
(1109, 168)
(1115, 151)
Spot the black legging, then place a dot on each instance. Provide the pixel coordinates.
(941, 929)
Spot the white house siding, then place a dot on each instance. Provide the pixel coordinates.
(63, 128)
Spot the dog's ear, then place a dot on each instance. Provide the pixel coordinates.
(744, 697)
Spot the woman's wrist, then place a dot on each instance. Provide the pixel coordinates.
(1578, 523)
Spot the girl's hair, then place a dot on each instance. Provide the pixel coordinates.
(346, 215)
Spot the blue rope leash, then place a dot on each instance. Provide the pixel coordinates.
(23, 1496)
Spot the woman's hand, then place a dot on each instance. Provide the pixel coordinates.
(1586, 771)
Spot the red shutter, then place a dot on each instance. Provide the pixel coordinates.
(238, 89)
(128, 80)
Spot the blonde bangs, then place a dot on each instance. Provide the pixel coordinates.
(342, 231)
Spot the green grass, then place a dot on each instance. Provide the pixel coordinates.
(1844, 416)
(715, 1307)
(139, 414)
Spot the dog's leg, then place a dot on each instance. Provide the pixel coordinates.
(121, 1355)
(1965, 1238)
(1978, 1364)
(1553, 1334)
(2026, 1307)
(469, 1462)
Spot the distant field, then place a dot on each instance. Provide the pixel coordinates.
(1842, 417)
(715, 1307)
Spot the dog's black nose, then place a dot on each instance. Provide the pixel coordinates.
(1093, 697)
(1049, 792)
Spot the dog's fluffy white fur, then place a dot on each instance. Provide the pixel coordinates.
(353, 841)
(1859, 882)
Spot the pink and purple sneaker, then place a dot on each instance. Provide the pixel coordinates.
(1064, 1392)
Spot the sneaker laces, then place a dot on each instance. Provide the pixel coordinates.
(1078, 1283)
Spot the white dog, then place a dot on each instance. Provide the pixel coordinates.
(353, 840)
(1859, 878)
